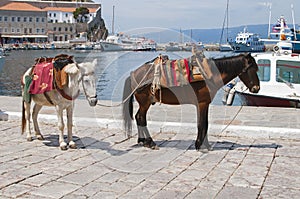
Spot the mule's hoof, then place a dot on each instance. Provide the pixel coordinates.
(155, 147)
(29, 139)
(63, 146)
(72, 145)
(40, 137)
(150, 144)
(141, 141)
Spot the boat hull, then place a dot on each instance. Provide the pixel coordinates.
(237, 47)
(250, 99)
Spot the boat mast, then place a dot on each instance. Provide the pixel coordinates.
(225, 21)
(295, 35)
(113, 22)
(227, 17)
(269, 29)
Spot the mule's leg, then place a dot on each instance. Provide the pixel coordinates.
(202, 118)
(27, 118)
(61, 125)
(72, 144)
(36, 109)
(143, 133)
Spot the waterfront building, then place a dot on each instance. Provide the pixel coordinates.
(48, 21)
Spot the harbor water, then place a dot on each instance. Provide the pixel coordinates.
(112, 69)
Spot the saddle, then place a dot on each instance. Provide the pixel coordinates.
(170, 73)
(48, 73)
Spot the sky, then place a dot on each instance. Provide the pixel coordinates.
(194, 14)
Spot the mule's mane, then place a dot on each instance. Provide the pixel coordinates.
(230, 64)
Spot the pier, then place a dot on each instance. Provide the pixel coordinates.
(255, 155)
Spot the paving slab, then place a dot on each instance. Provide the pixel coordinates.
(256, 156)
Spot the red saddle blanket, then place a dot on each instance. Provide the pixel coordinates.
(42, 78)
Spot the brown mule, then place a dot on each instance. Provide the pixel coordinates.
(199, 93)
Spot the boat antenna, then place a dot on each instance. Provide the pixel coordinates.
(270, 15)
(294, 32)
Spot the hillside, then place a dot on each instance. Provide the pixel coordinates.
(205, 36)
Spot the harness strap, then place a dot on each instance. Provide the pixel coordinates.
(48, 98)
(66, 96)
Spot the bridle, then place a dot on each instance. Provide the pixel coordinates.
(80, 79)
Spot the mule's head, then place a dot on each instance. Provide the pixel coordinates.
(88, 79)
(249, 75)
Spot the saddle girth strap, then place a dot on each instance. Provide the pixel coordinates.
(48, 98)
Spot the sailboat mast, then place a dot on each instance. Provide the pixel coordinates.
(113, 22)
(227, 20)
(269, 29)
(293, 17)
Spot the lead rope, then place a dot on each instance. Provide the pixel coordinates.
(134, 90)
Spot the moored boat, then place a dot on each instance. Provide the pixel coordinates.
(120, 42)
(247, 42)
(279, 74)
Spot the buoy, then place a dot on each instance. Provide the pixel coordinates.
(230, 97)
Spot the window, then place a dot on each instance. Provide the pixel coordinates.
(37, 30)
(37, 20)
(30, 19)
(30, 30)
(54, 15)
(66, 29)
(12, 30)
(19, 19)
(287, 71)
(43, 20)
(0, 18)
(43, 30)
(50, 14)
(25, 19)
(59, 29)
(5, 19)
(66, 14)
(54, 28)
(18, 30)
(12, 19)
(263, 69)
(25, 30)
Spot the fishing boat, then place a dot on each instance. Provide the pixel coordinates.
(279, 74)
(247, 42)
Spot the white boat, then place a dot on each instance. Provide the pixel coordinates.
(279, 74)
(225, 47)
(247, 42)
(122, 42)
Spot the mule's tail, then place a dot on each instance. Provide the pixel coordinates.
(23, 117)
(128, 106)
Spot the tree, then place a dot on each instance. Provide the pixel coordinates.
(80, 14)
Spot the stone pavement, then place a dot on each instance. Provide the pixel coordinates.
(256, 156)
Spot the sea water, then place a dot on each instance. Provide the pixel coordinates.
(112, 69)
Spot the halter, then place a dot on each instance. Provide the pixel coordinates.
(84, 89)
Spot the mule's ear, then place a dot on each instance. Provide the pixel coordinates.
(71, 68)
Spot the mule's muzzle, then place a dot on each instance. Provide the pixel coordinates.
(255, 89)
(92, 100)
